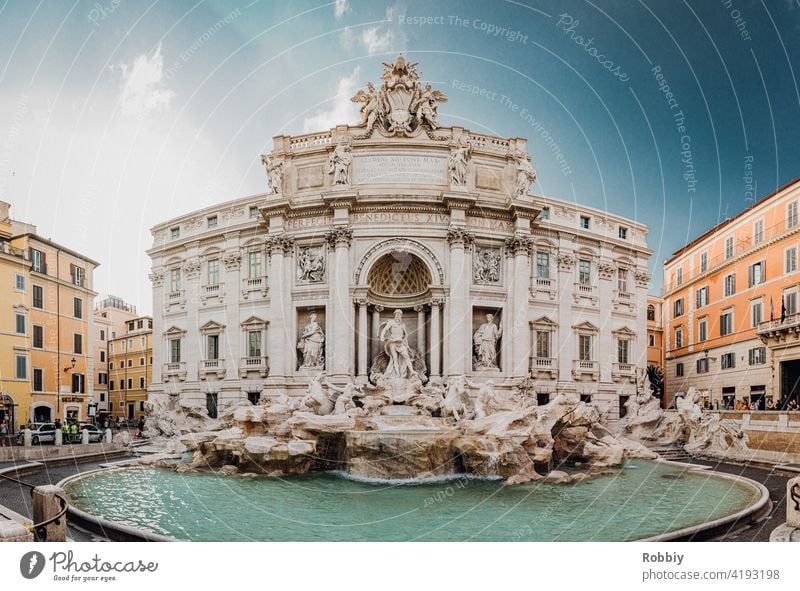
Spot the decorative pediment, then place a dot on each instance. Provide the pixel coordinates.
(174, 331)
(543, 323)
(586, 326)
(21, 308)
(624, 332)
(254, 322)
(212, 326)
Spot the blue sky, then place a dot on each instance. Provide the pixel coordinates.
(118, 114)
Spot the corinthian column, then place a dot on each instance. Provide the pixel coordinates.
(420, 310)
(435, 336)
(520, 246)
(341, 307)
(362, 340)
(279, 341)
(458, 315)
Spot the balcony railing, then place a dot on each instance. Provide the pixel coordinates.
(253, 282)
(175, 369)
(542, 362)
(212, 363)
(583, 365)
(790, 321)
(624, 295)
(544, 282)
(624, 368)
(6, 248)
(174, 296)
(584, 288)
(212, 289)
(259, 364)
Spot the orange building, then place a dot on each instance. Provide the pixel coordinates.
(655, 332)
(130, 369)
(731, 319)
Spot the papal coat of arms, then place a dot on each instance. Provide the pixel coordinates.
(402, 105)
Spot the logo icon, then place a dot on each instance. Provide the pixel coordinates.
(31, 564)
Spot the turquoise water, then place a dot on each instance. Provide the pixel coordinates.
(640, 500)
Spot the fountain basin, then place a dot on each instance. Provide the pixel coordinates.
(642, 500)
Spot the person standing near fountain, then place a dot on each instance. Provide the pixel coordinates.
(311, 341)
(485, 343)
(395, 343)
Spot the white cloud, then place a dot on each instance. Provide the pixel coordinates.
(376, 42)
(142, 85)
(343, 109)
(341, 8)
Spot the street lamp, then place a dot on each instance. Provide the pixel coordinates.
(71, 365)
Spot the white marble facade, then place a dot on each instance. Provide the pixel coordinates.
(406, 215)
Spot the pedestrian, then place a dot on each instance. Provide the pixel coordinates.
(3, 433)
(141, 427)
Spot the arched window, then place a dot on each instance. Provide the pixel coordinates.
(651, 313)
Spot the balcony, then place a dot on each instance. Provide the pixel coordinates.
(582, 369)
(6, 248)
(254, 285)
(174, 298)
(623, 371)
(175, 369)
(214, 367)
(774, 331)
(544, 367)
(584, 291)
(543, 287)
(213, 290)
(254, 364)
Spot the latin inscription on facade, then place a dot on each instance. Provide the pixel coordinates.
(309, 176)
(399, 168)
(488, 178)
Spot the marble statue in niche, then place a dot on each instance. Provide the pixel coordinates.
(485, 341)
(311, 344)
(339, 164)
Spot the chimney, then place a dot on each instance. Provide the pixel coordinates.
(4, 212)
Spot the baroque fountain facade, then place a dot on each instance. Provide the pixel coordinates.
(399, 305)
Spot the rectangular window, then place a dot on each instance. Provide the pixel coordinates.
(679, 276)
(726, 323)
(102, 378)
(729, 288)
(544, 214)
(791, 260)
(651, 340)
(21, 367)
(78, 275)
(623, 233)
(122, 384)
(543, 265)
(585, 347)
(38, 337)
(77, 343)
(38, 380)
(702, 365)
(111, 365)
(758, 232)
(78, 386)
(111, 385)
(622, 280)
(253, 212)
(140, 323)
(702, 297)
(254, 343)
(755, 273)
(175, 279)
(130, 383)
(77, 308)
(757, 355)
(790, 301)
(585, 222)
(130, 362)
(38, 261)
(677, 308)
(102, 335)
(728, 361)
(254, 265)
(678, 337)
(703, 262)
(702, 330)
(141, 383)
(19, 282)
(174, 350)
(679, 370)
(729, 247)
(38, 297)
(102, 356)
(175, 232)
(211, 221)
(585, 272)
(141, 360)
(756, 314)
(212, 346)
(623, 349)
(213, 272)
(543, 344)
(791, 215)
(21, 324)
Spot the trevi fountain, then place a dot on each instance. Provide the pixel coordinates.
(460, 401)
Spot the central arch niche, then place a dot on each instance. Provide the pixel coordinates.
(399, 275)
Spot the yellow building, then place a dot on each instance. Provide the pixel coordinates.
(110, 318)
(15, 370)
(58, 308)
(130, 369)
